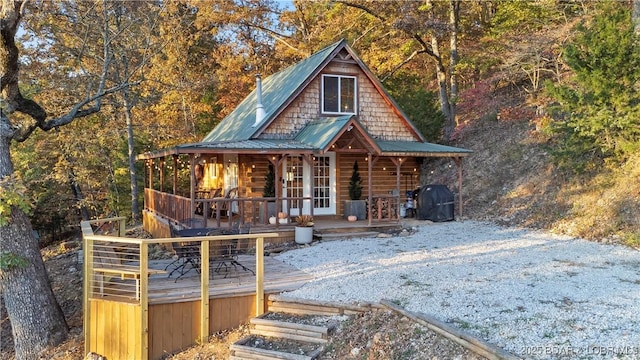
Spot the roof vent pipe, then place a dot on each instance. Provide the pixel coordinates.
(260, 114)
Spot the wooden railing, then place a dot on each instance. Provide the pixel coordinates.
(126, 262)
(385, 207)
(173, 207)
(257, 210)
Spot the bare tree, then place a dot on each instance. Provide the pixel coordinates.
(426, 26)
(36, 318)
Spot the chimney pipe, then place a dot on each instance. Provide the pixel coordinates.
(260, 114)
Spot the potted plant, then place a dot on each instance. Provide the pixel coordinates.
(304, 229)
(269, 191)
(355, 206)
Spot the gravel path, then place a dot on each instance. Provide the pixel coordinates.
(537, 295)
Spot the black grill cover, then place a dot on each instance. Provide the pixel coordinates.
(435, 203)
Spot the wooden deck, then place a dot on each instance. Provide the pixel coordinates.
(133, 309)
(278, 277)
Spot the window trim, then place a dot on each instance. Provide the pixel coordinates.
(355, 94)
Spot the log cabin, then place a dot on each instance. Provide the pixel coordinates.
(306, 126)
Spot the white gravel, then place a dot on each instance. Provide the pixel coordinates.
(537, 295)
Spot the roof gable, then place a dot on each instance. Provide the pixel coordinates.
(277, 90)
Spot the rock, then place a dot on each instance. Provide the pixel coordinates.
(355, 351)
(94, 356)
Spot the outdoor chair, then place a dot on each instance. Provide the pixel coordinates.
(227, 207)
(186, 256)
(211, 194)
(225, 253)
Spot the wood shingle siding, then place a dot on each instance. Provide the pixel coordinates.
(374, 112)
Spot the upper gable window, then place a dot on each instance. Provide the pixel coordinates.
(338, 94)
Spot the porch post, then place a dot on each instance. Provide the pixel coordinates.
(151, 174)
(277, 165)
(162, 174)
(369, 185)
(309, 160)
(192, 187)
(458, 161)
(175, 174)
(398, 163)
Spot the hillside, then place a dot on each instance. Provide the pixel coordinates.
(511, 179)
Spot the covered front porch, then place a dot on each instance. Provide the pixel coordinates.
(268, 182)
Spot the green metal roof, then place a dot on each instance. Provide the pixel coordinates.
(276, 90)
(254, 144)
(416, 148)
(319, 133)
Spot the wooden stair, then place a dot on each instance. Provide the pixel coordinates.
(358, 229)
(312, 336)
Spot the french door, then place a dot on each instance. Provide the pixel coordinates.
(298, 177)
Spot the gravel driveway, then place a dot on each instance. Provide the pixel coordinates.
(537, 295)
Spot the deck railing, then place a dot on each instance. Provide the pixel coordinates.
(174, 207)
(118, 269)
(256, 210)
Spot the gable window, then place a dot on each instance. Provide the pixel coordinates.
(338, 94)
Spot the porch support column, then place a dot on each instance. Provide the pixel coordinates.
(175, 174)
(398, 163)
(151, 174)
(277, 167)
(369, 185)
(458, 161)
(309, 160)
(192, 187)
(162, 174)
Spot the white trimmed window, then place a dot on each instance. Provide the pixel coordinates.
(339, 94)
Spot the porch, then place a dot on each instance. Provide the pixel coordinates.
(140, 303)
(162, 209)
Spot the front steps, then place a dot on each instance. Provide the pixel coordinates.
(292, 330)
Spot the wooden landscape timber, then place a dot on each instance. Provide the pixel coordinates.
(468, 341)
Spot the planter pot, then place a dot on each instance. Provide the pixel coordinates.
(357, 208)
(303, 235)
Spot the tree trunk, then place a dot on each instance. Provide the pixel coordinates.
(38, 322)
(452, 122)
(135, 209)
(78, 196)
(443, 90)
